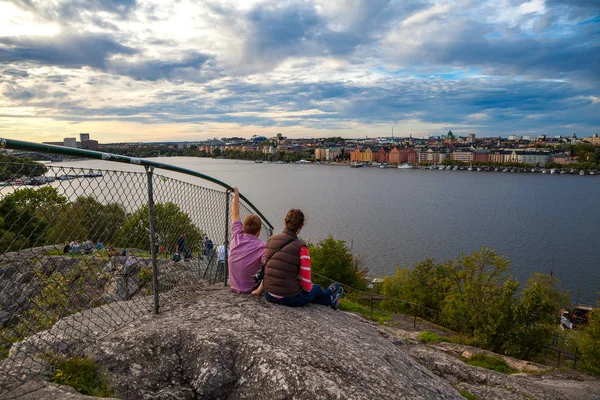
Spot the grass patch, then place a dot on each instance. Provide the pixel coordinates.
(430, 337)
(462, 340)
(379, 316)
(467, 395)
(490, 362)
(82, 374)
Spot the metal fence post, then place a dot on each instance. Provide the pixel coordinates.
(226, 266)
(149, 171)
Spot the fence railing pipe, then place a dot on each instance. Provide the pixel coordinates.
(97, 155)
(149, 174)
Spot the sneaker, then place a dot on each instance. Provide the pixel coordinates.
(337, 296)
(334, 287)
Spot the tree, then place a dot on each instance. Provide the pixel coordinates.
(24, 217)
(590, 344)
(16, 167)
(423, 285)
(333, 259)
(100, 222)
(480, 297)
(536, 315)
(170, 223)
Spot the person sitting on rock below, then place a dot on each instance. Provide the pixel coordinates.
(74, 245)
(88, 246)
(287, 278)
(247, 251)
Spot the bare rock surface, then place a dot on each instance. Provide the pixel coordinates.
(214, 344)
(222, 345)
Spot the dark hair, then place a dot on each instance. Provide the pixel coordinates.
(252, 224)
(294, 220)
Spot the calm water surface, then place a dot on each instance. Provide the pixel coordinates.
(396, 217)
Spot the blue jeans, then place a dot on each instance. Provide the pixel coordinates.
(316, 295)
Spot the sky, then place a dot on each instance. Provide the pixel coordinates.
(154, 70)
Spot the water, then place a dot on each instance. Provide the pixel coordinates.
(396, 217)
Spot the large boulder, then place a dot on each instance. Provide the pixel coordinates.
(223, 345)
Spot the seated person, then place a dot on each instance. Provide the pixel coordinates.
(99, 245)
(287, 277)
(74, 247)
(246, 251)
(88, 246)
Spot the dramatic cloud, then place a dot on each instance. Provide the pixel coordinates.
(191, 70)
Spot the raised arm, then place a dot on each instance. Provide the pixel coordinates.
(235, 207)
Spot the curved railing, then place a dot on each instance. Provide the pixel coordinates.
(96, 155)
(86, 248)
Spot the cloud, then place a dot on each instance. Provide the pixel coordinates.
(492, 66)
(152, 70)
(73, 9)
(69, 51)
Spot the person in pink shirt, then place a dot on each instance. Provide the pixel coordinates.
(246, 251)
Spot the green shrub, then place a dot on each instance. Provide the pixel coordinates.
(145, 276)
(81, 373)
(490, 362)
(333, 259)
(380, 317)
(590, 344)
(430, 337)
(467, 395)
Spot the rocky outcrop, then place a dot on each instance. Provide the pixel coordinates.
(225, 345)
(215, 344)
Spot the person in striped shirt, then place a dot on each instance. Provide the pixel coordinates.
(287, 275)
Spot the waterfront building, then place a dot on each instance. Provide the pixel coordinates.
(432, 157)
(367, 155)
(383, 156)
(481, 156)
(355, 155)
(320, 154)
(535, 158)
(562, 159)
(500, 156)
(333, 153)
(268, 149)
(394, 156)
(89, 144)
(70, 142)
(407, 155)
(463, 155)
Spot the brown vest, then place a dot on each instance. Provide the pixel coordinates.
(283, 267)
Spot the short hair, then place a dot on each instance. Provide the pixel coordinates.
(252, 224)
(294, 220)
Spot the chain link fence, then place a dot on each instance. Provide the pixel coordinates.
(83, 252)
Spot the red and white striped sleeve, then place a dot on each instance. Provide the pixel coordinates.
(305, 269)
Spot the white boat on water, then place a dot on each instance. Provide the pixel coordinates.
(553, 171)
(455, 168)
(432, 167)
(582, 173)
(405, 166)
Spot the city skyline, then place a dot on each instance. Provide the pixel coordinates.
(127, 70)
